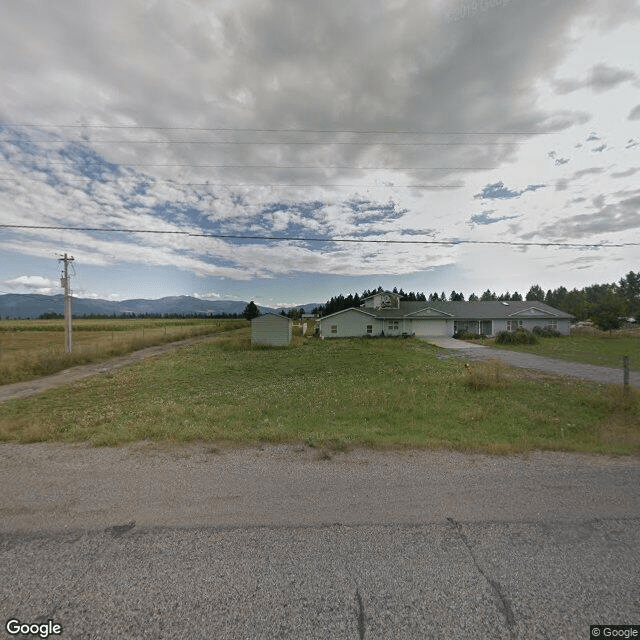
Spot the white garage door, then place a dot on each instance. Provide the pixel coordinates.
(429, 328)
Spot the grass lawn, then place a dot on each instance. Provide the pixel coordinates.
(593, 348)
(35, 348)
(330, 394)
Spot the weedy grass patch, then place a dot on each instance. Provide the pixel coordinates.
(492, 374)
(331, 394)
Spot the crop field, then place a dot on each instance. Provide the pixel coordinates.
(588, 347)
(33, 348)
(330, 395)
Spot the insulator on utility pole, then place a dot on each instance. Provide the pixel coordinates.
(65, 283)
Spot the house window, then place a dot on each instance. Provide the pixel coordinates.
(369, 328)
(473, 326)
(514, 325)
(334, 328)
(481, 327)
(393, 325)
(552, 324)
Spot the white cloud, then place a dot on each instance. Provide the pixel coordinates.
(601, 77)
(211, 295)
(245, 71)
(32, 284)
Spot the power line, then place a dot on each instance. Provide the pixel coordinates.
(455, 241)
(277, 130)
(91, 161)
(286, 143)
(256, 184)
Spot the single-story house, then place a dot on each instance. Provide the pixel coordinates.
(271, 328)
(385, 314)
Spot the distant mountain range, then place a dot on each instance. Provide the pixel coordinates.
(16, 305)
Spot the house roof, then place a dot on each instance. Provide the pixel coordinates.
(485, 310)
(480, 310)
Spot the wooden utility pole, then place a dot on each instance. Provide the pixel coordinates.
(65, 282)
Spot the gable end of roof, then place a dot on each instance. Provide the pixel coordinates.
(534, 312)
(428, 311)
(337, 313)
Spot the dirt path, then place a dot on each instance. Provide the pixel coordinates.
(33, 387)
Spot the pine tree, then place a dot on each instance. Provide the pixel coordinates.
(487, 296)
(251, 311)
(606, 311)
(535, 293)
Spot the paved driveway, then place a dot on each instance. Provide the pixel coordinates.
(594, 373)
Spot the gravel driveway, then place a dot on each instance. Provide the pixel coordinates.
(594, 373)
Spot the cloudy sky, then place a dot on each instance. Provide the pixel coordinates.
(439, 125)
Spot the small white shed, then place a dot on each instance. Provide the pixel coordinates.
(272, 329)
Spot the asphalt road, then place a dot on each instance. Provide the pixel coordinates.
(153, 542)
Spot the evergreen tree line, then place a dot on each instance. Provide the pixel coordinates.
(605, 304)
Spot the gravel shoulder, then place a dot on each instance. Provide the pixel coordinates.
(57, 487)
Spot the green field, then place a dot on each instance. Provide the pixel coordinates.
(34, 348)
(330, 395)
(593, 347)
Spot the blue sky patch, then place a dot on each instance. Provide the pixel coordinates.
(485, 218)
(498, 191)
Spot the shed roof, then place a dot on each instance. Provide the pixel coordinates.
(269, 315)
